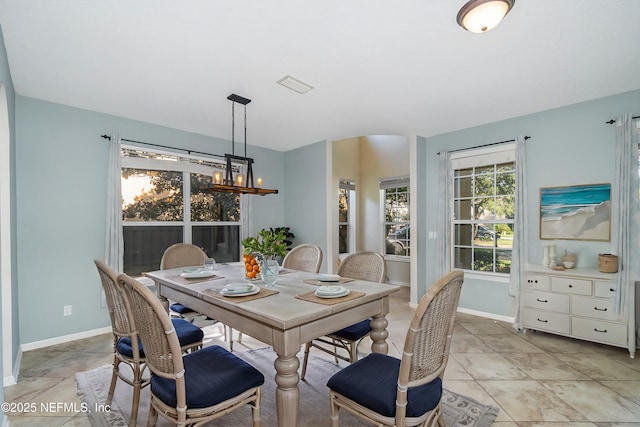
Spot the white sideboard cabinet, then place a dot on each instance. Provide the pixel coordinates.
(578, 303)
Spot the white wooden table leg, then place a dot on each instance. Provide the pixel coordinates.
(287, 394)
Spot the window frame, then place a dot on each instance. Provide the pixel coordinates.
(349, 186)
(477, 158)
(187, 164)
(394, 183)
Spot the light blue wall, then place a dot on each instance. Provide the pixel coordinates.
(306, 189)
(569, 145)
(5, 78)
(61, 163)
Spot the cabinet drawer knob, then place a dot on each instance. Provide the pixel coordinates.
(571, 286)
(612, 290)
(543, 321)
(600, 309)
(542, 300)
(604, 331)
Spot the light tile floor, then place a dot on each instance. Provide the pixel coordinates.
(535, 378)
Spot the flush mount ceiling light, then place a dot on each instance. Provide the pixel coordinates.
(294, 84)
(479, 16)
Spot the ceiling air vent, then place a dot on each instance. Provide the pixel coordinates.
(294, 84)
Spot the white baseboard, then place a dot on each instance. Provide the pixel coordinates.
(13, 379)
(64, 339)
(396, 283)
(493, 316)
(10, 380)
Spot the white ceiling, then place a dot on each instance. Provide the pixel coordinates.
(377, 66)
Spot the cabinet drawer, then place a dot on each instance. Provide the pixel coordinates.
(537, 282)
(571, 286)
(593, 307)
(546, 321)
(604, 289)
(599, 330)
(547, 301)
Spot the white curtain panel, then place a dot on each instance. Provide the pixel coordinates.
(246, 219)
(443, 226)
(625, 195)
(114, 241)
(519, 254)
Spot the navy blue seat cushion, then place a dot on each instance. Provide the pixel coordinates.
(188, 333)
(180, 309)
(373, 382)
(212, 375)
(354, 332)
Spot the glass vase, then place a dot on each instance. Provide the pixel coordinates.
(269, 271)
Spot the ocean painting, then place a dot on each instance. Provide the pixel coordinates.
(578, 212)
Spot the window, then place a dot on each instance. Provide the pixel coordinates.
(346, 211)
(395, 195)
(156, 213)
(483, 208)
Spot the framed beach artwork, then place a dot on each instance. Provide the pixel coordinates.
(577, 212)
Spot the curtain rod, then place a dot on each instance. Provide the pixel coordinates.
(165, 146)
(484, 145)
(612, 121)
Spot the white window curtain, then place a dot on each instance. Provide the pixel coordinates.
(625, 193)
(246, 219)
(443, 226)
(519, 252)
(114, 240)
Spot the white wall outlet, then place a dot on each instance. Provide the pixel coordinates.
(67, 310)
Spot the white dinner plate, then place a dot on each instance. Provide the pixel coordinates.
(329, 278)
(197, 274)
(236, 290)
(330, 290)
(343, 294)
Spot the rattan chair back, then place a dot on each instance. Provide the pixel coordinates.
(123, 326)
(122, 323)
(161, 344)
(426, 348)
(305, 257)
(424, 358)
(182, 255)
(370, 266)
(164, 359)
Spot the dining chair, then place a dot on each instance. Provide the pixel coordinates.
(404, 392)
(194, 388)
(127, 347)
(370, 266)
(305, 257)
(182, 255)
(189, 255)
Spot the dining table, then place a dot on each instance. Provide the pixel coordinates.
(284, 316)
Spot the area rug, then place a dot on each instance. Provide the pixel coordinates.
(93, 385)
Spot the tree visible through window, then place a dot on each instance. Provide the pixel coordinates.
(484, 210)
(397, 232)
(346, 235)
(156, 214)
